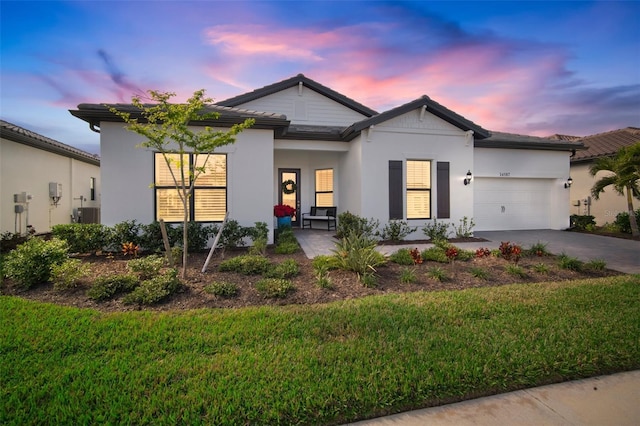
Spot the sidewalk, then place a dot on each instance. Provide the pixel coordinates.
(600, 401)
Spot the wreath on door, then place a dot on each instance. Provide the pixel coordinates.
(289, 186)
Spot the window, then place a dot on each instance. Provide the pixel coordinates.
(208, 201)
(418, 189)
(324, 188)
(92, 189)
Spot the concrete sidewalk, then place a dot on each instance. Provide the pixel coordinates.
(600, 401)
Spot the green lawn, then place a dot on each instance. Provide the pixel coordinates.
(324, 364)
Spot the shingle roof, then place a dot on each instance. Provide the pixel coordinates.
(432, 107)
(95, 113)
(512, 140)
(564, 137)
(295, 81)
(21, 135)
(606, 144)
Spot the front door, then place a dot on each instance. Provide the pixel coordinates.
(290, 191)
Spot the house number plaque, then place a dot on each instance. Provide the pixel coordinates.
(505, 174)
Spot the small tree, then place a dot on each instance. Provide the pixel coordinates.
(625, 175)
(166, 129)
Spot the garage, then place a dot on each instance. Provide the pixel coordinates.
(512, 203)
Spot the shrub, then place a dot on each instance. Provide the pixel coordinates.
(434, 254)
(539, 249)
(437, 273)
(146, 267)
(515, 270)
(482, 252)
(623, 223)
(82, 237)
(436, 231)
(408, 276)
(465, 229)
(451, 253)
(570, 263)
(402, 257)
(510, 251)
(396, 230)
(105, 287)
(245, 264)
(349, 223)
(596, 265)
(368, 280)
(67, 274)
(357, 253)
(222, 289)
(31, 262)
(581, 222)
(124, 232)
(233, 235)
(321, 272)
(151, 238)
(274, 287)
(197, 235)
(155, 289)
(259, 235)
(286, 242)
(479, 273)
(325, 261)
(287, 269)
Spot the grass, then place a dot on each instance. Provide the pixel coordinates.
(320, 364)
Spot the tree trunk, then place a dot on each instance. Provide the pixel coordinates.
(185, 238)
(632, 214)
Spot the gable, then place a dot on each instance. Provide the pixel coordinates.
(418, 120)
(303, 105)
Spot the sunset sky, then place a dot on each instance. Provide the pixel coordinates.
(535, 68)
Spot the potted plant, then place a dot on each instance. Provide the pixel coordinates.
(284, 213)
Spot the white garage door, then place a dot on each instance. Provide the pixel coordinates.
(511, 204)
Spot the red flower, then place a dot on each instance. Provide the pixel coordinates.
(283, 210)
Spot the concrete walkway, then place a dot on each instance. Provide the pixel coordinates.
(620, 254)
(600, 401)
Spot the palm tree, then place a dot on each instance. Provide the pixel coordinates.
(624, 168)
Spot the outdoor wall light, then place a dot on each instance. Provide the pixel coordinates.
(568, 183)
(467, 180)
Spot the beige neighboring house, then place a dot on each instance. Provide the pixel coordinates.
(610, 202)
(44, 182)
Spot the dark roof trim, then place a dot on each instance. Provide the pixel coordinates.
(305, 132)
(295, 81)
(95, 113)
(515, 141)
(432, 107)
(27, 137)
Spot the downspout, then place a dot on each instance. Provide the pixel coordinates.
(92, 126)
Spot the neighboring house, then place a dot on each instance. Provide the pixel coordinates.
(409, 163)
(610, 203)
(42, 181)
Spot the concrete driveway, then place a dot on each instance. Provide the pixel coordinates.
(620, 254)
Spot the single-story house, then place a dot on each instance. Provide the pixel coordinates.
(418, 162)
(610, 203)
(44, 182)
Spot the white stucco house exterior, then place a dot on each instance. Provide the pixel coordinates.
(409, 163)
(42, 181)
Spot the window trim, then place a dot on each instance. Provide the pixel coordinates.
(159, 155)
(428, 190)
(332, 192)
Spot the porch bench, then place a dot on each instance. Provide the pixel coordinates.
(325, 214)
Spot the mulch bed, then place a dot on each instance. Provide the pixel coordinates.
(345, 284)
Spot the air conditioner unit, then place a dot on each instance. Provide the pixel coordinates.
(89, 214)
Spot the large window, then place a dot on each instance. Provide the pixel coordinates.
(208, 201)
(418, 189)
(324, 188)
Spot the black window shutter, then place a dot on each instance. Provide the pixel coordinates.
(444, 204)
(396, 210)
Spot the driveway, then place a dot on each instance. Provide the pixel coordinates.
(620, 254)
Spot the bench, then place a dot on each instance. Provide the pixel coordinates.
(325, 214)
